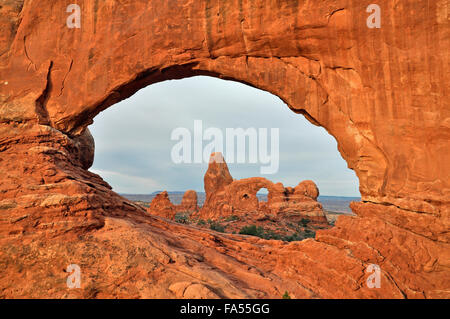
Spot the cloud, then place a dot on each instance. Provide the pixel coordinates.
(126, 183)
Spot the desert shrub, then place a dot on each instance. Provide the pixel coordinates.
(182, 218)
(300, 235)
(201, 222)
(293, 237)
(309, 234)
(286, 295)
(217, 227)
(232, 218)
(304, 222)
(252, 230)
(268, 234)
(260, 232)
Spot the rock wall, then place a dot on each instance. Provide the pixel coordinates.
(382, 93)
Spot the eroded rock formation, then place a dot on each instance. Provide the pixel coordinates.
(189, 202)
(226, 197)
(382, 93)
(162, 206)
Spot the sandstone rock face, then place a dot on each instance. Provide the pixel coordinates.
(217, 176)
(382, 93)
(85, 149)
(189, 202)
(162, 206)
(226, 197)
(307, 188)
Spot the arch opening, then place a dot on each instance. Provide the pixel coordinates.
(134, 147)
(262, 194)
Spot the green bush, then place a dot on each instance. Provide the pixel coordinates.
(201, 222)
(217, 227)
(252, 230)
(309, 234)
(300, 236)
(304, 222)
(260, 232)
(232, 218)
(182, 218)
(268, 234)
(286, 295)
(293, 237)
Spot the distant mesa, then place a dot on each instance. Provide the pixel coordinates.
(170, 193)
(226, 197)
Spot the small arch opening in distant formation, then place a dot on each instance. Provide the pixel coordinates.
(262, 194)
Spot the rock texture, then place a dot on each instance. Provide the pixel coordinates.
(189, 202)
(227, 197)
(382, 93)
(217, 177)
(162, 206)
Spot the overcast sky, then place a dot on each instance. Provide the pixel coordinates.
(133, 138)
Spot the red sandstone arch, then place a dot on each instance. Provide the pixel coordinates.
(380, 92)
